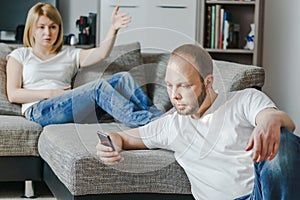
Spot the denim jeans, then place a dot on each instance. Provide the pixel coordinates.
(120, 96)
(279, 179)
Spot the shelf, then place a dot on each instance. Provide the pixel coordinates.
(231, 2)
(236, 51)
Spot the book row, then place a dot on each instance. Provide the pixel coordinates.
(221, 32)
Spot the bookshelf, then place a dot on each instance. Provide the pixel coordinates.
(239, 14)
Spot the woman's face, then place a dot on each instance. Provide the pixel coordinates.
(45, 32)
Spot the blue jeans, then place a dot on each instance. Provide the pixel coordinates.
(279, 179)
(120, 96)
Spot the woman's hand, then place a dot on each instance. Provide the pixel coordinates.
(57, 92)
(119, 20)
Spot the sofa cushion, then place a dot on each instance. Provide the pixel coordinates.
(18, 136)
(6, 108)
(126, 57)
(74, 161)
(155, 70)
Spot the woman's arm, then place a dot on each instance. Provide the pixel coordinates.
(16, 93)
(91, 56)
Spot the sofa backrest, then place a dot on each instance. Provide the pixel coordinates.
(148, 70)
(228, 76)
(6, 108)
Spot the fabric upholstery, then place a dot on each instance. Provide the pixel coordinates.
(18, 136)
(230, 76)
(6, 108)
(74, 161)
(125, 57)
(155, 70)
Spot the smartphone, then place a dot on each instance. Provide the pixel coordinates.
(105, 139)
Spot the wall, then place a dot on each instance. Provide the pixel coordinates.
(71, 10)
(281, 57)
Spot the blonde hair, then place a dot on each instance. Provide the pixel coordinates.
(43, 9)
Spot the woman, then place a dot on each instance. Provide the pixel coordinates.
(39, 76)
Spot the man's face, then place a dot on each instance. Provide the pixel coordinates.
(185, 88)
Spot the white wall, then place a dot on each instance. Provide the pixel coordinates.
(281, 55)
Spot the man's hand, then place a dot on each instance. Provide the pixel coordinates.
(265, 142)
(106, 154)
(119, 20)
(265, 138)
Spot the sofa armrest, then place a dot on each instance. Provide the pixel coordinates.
(230, 76)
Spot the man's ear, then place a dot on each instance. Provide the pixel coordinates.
(209, 80)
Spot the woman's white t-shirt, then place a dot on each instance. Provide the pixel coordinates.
(211, 149)
(53, 73)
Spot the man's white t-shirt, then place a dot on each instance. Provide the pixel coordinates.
(53, 73)
(211, 149)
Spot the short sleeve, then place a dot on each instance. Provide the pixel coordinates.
(157, 134)
(254, 102)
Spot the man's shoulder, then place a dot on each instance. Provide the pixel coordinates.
(245, 92)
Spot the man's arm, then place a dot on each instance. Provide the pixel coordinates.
(265, 138)
(129, 139)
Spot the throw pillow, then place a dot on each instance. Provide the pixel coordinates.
(155, 69)
(6, 108)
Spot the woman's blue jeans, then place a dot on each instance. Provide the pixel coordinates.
(119, 96)
(279, 179)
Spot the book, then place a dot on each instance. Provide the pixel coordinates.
(225, 30)
(208, 27)
(221, 32)
(213, 22)
(217, 26)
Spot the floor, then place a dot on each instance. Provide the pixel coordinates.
(15, 190)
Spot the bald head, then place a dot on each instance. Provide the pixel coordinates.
(197, 56)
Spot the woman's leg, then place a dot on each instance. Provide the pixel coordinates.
(80, 103)
(127, 86)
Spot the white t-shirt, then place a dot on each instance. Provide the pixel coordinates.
(211, 149)
(53, 73)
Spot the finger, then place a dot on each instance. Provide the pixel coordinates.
(107, 154)
(265, 148)
(124, 15)
(257, 148)
(250, 143)
(67, 88)
(116, 9)
(126, 21)
(111, 160)
(275, 151)
(101, 147)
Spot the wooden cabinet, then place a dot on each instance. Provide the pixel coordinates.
(240, 15)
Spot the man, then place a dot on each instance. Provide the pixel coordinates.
(216, 137)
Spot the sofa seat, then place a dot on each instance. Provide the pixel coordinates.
(69, 150)
(19, 137)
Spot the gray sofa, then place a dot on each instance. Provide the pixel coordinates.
(64, 155)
